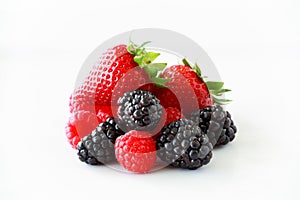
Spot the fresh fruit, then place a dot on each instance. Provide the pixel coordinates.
(182, 144)
(80, 124)
(135, 151)
(216, 123)
(101, 83)
(173, 114)
(85, 156)
(72, 135)
(126, 91)
(185, 90)
(104, 112)
(139, 110)
(102, 79)
(82, 104)
(98, 147)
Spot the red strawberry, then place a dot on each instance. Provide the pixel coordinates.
(136, 151)
(101, 81)
(105, 112)
(117, 72)
(173, 114)
(185, 90)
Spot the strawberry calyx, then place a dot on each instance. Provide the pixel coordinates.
(145, 59)
(215, 88)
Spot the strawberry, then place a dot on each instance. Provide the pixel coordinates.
(173, 114)
(185, 90)
(106, 112)
(120, 69)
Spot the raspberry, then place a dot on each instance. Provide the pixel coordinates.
(80, 124)
(82, 104)
(72, 135)
(136, 151)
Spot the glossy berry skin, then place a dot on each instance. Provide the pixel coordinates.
(85, 156)
(98, 147)
(80, 124)
(169, 115)
(104, 112)
(185, 90)
(135, 151)
(173, 114)
(182, 144)
(101, 83)
(139, 110)
(216, 123)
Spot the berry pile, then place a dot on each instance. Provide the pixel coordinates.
(136, 112)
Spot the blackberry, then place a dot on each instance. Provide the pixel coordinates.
(139, 110)
(98, 147)
(182, 144)
(216, 123)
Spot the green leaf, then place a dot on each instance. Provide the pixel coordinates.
(212, 85)
(151, 56)
(224, 90)
(151, 71)
(158, 66)
(185, 62)
(131, 49)
(138, 60)
(158, 80)
(197, 70)
(221, 101)
(214, 92)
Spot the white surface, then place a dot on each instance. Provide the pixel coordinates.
(255, 45)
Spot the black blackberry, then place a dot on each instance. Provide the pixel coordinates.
(139, 110)
(98, 147)
(182, 144)
(216, 123)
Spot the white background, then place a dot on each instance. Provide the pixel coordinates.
(255, 45)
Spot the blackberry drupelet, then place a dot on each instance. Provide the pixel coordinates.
(139, 110)
(182, 144)
(85, 156)
(216, 123)
(98, 147)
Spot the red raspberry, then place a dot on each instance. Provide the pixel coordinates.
(80, 124)
(72, 135)
(82, 104)
(136, 151)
